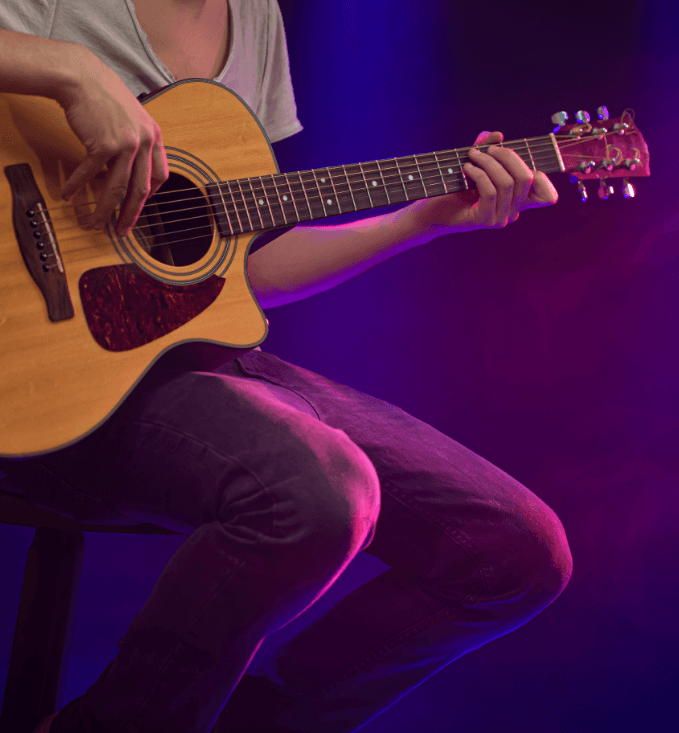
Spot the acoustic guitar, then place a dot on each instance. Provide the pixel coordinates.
(84, 314)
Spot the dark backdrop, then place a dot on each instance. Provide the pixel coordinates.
(548, 347)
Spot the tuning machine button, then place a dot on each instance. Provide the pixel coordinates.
(604, 189)
(627, 189)
(602, 113)
(581, 187)
(559, 118)
(582, 116)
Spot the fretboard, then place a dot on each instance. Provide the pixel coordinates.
(268, 202)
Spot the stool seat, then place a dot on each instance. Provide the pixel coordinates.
(46, 615)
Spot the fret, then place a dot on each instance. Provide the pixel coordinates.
(313, 194)
(464, 178)
(229, 212)
(240, 227)
(247, 207)
(367, 186)
(298, 199)
(384, 185)
(286, 198)
(359, 193)
(326, 190)
(349, 184)
(263, 202)
(275, 204)
(220, 211)
(414, 187)
(343, 198)
(443, 180)
(372, 177)
(532, 162)
(320, 193)
(428, 167)
(419, 171)
(400, 175)
(310, 215)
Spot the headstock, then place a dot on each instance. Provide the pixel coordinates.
(612, 147)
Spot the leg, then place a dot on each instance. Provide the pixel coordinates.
(276, 504)
(473, 554)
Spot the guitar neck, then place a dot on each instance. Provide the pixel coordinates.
(268, 202)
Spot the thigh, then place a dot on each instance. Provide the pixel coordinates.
(180, 445)
(445, 510)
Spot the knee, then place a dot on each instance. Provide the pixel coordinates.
(535, 561)
(329, 512)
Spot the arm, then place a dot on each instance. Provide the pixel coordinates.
(40, 66)
(307, 260)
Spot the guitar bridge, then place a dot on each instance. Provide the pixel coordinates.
(35, 236)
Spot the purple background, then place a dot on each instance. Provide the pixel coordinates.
(548, 347)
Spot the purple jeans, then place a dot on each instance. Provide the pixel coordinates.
(279, 477)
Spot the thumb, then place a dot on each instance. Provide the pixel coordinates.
(488, 138)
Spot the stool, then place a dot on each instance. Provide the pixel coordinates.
(44, 625)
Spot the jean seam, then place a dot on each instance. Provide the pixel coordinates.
(284, 386)
(484, 568)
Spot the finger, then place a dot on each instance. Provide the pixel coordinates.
(542, 192)
(487, 138)
(500, 190)
(160, 169)
(117, 185)
(521, 174)
(139, 190)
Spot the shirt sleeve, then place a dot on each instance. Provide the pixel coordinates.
(277, 110)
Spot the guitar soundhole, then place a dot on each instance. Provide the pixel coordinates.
(174, 227)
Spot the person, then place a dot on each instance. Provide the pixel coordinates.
(278, 476)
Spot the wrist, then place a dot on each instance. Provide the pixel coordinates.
(413, 226)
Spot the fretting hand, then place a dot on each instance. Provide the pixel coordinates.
(506, 187)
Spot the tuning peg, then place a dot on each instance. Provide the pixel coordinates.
(582, 116)
(602, 113)
(559, 118)
(604, 189)
(627, 189)
(581, 188)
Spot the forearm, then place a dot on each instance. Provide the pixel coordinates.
(40, 66)
(308, 260)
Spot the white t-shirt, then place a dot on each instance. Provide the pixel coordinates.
(257, 68)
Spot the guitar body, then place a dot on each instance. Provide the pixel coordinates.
(62, 376)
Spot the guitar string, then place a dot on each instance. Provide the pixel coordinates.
(239, 196)
(297, 187)
(456, 178)
(412, 166)
(240, 211)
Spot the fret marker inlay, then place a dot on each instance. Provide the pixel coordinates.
(261, 202)
(285, 198)
(410, 178)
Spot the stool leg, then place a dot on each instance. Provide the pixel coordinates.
(43, 630)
